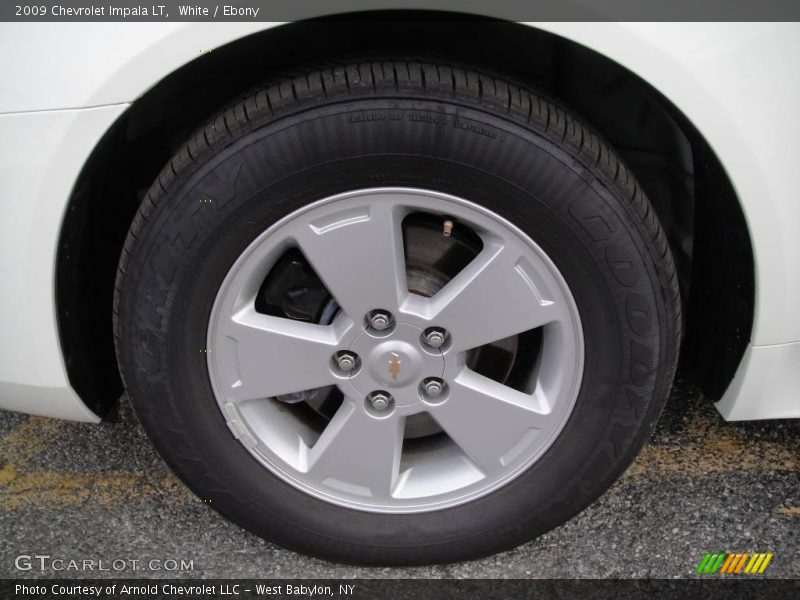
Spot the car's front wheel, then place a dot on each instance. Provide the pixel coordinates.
(397, 313)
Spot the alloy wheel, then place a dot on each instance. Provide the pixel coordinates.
(395, 355)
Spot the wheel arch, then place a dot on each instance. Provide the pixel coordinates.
(677, 167)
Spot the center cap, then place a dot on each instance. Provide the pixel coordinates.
(395, 362)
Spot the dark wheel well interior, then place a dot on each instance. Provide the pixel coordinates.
(683, 178)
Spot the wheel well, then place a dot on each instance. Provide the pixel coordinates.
(683, 178)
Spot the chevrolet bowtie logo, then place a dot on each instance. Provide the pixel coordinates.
(394, 365)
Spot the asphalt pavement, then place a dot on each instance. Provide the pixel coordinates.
(78, 492)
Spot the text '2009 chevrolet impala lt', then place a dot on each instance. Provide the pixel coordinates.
(399, 288)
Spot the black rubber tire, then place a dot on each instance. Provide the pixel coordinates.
(406, 123)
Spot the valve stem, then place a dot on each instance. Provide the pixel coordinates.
(447, 228)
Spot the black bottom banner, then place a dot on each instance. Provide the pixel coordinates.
(402, 589)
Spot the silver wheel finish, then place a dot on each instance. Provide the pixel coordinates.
(354, 242)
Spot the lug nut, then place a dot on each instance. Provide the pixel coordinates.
(433, 387)
(346, 361)
(380, 320)
(434, 336)
(379, 400)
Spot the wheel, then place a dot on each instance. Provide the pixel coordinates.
(397, 313)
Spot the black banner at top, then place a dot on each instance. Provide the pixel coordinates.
(294, 10)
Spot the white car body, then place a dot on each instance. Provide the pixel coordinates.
(737, 83)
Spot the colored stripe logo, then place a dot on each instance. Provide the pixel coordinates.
(734, 563)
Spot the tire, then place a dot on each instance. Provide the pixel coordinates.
(451, 133)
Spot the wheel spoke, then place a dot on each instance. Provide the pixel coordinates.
(358, 452)
(359, 257)
(489, 421)
(268, 355)
(493, 297)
